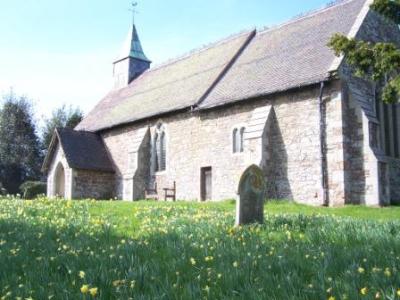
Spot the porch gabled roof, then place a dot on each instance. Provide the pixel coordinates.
(83, 150)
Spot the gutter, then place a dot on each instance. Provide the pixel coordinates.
(323, 148)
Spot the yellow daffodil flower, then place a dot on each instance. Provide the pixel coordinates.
(85, 288)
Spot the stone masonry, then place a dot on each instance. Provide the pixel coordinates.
(93, 184)
(79, 184)
(294, 136)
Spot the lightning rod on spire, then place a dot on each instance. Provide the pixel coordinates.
(134, 11)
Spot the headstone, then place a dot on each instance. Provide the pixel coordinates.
(252, 192)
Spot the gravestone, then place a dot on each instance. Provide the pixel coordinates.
(252, 192)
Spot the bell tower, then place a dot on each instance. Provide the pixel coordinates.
(132, 61)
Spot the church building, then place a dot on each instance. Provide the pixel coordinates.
(278, 98)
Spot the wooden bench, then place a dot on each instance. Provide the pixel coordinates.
(170, 193)
(151, 194)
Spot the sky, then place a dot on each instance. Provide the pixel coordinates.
(61, 51)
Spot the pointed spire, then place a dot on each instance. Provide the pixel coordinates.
(131, 62)
(136, 46)
(132, 47)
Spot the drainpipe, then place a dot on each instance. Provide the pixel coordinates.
(322, 138)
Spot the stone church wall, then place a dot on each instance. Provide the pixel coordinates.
(204, 139)
(293, 148)
(79, 184)
(355, 173)
(363, 131)
(93, 184)
(334, 145)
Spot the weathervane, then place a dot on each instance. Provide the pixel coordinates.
(134, 11)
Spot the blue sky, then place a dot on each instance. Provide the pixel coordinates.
(61, 51)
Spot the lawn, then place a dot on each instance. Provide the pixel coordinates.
(146, 250)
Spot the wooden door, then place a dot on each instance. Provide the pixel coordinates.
(206, 184)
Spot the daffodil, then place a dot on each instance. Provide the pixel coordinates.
(85, 288)
(364, 291)
(235, 264)
(361, 270)
(116, 282)
(82, 274)
(93, 291)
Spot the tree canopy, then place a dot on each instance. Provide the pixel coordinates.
(62, 117)
(375, 61)
(20, 155)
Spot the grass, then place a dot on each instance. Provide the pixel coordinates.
(146, 250)
(391, 213)
(121, 213)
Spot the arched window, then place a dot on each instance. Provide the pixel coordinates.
(237, 140)
(161, 149)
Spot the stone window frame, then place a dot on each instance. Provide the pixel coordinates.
(160, 128)
(237, 131)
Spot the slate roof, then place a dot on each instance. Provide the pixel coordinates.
(244, 66)
(83, 150)
(288, 56)
(172, 86)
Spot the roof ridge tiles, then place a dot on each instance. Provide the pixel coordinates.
(304, 15)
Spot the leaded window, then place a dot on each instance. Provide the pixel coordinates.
(161, 149)
(237, 139)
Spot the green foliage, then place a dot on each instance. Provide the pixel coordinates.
(149, 250)
(379, 62)
(388, 8)
(20, 156)
(62, 117)
(32, 189)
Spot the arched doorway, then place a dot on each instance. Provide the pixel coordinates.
(59, 181)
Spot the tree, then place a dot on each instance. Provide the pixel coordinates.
(20, 157)
(379, 62)
(62, 117)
